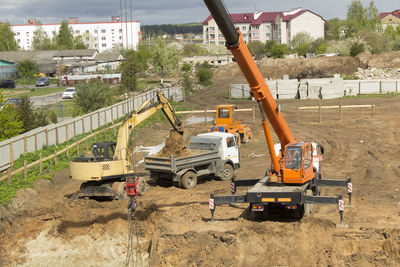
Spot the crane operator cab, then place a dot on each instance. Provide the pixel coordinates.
(298, 163)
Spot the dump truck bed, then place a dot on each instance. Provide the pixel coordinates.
(175, 164)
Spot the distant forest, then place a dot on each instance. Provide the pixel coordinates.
(172, 29)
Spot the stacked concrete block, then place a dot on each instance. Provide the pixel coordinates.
(287, 89)
(240, 91)
(303, 90)
(272, 86)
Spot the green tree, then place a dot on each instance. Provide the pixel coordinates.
(377, 43)
(65, 38)
(26, 114)
(301, 43)
(204, 74)
(165, 58)
(373, 21)
(78, 43)
(7, 41)
(130, 69)
(91, 96)
(319, 46)
(356, 15)
(10, 125)
(277, 50)
(256, 48)
(390, 32)
(41, 41)
(192, 50)
(27, 69)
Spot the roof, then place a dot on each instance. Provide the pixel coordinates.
(265, 16)
(109, 56)
(77, 53)
(395, 13)
(44, 56)
(77, 23)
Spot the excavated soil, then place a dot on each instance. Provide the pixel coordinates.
(45, 228)
(175, 145)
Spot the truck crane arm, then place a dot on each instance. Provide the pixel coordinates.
(259, 89)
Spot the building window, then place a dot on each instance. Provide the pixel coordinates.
(120, 37)
(95, 31)
(244, 28)
(103, 45)
(95, 45)
(212, 28)
(77, 31)
(18, 40)
(27, 33)
(120, 30)
(18, 33)
(103, 38)
(257, 27)
(87, 31)
(103, 31)
(87, 38)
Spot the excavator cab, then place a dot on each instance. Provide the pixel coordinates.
(298, 163)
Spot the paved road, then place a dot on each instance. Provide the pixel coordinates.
(38, 101)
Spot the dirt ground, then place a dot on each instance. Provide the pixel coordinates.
(45, 228)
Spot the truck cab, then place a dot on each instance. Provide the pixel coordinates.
(226, 122)
(225, 143)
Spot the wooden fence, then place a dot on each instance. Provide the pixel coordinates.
(340, 107)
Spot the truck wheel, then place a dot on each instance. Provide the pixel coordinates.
(141, 186)
(188, 180)
(227, 173)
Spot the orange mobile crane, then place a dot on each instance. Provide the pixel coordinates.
(294, 181)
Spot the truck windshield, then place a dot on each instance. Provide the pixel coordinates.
(293, 158)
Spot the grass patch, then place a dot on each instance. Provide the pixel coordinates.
(66, 110)
(373, 95)
(37, 91)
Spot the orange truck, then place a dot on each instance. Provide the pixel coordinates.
(226, 122)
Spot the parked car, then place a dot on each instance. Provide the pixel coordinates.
(14, 101)
(68, 93)
(42, 81)
(7, 84)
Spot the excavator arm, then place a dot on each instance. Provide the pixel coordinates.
(146, 110)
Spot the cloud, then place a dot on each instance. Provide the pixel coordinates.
(161, 11)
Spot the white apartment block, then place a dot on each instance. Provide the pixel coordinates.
(280, 27)
(96, 35)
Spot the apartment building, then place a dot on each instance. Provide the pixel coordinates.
(96, 35)
(280, 27)
(390, 18)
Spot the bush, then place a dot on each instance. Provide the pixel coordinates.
(376, 43)
(204, 74)
(92, 96)
(278, 50)
(186, 67)
(302, 43)
(27, 69)
(356, 48)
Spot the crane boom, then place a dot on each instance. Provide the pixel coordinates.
(259, 88)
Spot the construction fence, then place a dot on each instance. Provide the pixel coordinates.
(328, 88)
(54, 134)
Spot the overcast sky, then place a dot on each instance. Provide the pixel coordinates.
(163, 11)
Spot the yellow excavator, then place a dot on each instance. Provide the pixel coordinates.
(105, 168)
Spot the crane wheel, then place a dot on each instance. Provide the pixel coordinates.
(188, 180)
